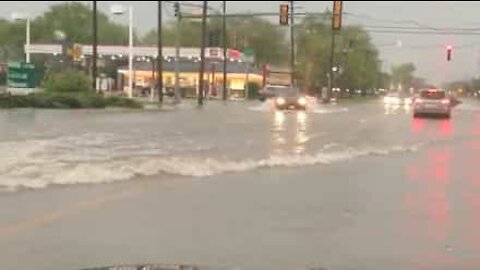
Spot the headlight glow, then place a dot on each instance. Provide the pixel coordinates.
(281, 101)
(302, 101)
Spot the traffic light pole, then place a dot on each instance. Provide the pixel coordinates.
(177, 54)
(331, 82)
(95, 41)
(202, 53)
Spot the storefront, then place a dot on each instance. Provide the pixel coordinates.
(240, 76)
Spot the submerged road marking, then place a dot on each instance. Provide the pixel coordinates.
(50, 217)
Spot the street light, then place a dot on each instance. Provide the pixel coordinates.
(119, 10)
(20, 17)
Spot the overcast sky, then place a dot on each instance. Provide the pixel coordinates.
(426, 51)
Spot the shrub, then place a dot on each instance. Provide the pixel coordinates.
(122, 102)
(68, 82)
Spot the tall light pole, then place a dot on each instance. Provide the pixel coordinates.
(26, 17)
(224, 24)
(119, 10)
(95, 42)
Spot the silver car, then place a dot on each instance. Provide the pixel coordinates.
(432, 102)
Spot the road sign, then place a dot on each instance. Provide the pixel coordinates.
(21, 75)
(337, 15)
(248, 55)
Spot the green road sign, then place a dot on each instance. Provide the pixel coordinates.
(249, 55)
(21, 75)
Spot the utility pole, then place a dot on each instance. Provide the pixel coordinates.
(224, 22)
(336, 26)
(177, 53)
(202, 53)
(159, 54)
(95, 41)
(292, 44)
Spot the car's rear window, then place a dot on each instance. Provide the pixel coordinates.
(432, 94)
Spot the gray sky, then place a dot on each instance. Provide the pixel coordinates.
(426, 51)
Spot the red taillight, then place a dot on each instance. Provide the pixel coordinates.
(446, 101)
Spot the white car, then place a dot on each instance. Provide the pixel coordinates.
(397, 99)
(432, 102)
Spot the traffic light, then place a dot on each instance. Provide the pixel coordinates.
(284, 14)
(176, 9)
(449, 52)
(337, 15)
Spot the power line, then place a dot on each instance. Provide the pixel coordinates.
(419, 28)
(411, 32)
(410, 22)
(188, 4)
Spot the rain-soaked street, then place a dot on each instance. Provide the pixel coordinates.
(350, 186)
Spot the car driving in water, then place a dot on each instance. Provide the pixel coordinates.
(397, 98)
(432, 102)
(290, 98)
(271, 91)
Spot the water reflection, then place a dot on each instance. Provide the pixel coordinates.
(289, 133)
(301, 137)
(428, 208)
(471, 195)
(432, 127)
(396, 108)
(279, 122)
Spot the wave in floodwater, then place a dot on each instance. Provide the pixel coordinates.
(86, 159)
(312, 107)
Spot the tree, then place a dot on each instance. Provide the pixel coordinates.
(75, 20)
(72, 18)
(264, 38)
(403, 75)
(355, 55)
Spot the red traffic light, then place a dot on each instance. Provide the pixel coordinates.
(449, 52)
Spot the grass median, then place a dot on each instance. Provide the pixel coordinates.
(67, 90)
(50, 100)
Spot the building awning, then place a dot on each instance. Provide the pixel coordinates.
(190, 66)
(138, 51)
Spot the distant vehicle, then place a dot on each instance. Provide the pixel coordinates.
(290, 98)
(432, 102)
(271, 91)
(397, 98)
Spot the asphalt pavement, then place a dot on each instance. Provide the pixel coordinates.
(236, 185)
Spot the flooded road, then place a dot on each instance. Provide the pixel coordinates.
(347, 186)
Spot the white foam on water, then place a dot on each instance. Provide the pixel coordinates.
(312, 107)
(321, 110)
(469, 107)
(79, 160)
(265, 106)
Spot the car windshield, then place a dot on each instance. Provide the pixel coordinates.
(245, 135)
(286, 92)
